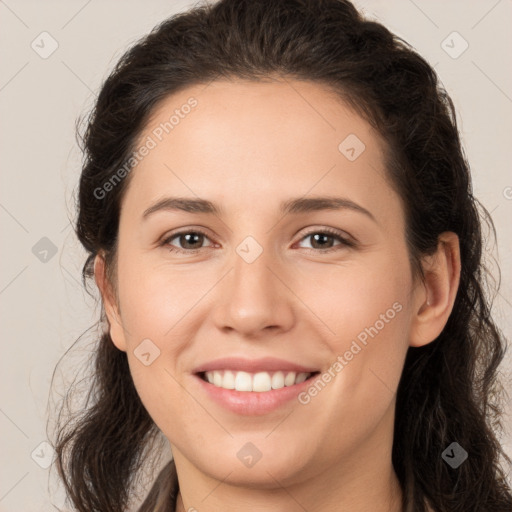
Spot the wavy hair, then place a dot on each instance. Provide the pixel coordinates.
(449, 389)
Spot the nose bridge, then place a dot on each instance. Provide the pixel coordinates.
(253, 298)
(251, 274)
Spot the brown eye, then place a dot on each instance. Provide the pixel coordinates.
(189, 241)
(323, 240)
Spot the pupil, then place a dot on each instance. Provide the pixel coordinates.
(321, 235)
(187, 236)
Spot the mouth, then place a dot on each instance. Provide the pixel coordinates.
(257, 382)
(253, 387)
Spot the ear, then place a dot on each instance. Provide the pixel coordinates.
(110, 303)
(433, 300)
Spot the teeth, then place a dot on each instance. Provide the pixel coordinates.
(301, 378)
(228, 381)
(243, 381)
(278, 380)
(289, 380)
(258, 382)
(217, 379)
(261, 382)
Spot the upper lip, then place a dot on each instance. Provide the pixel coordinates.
(264, 364)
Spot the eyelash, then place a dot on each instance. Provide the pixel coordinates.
(327, 231)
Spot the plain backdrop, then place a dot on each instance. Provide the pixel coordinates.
(44, 307)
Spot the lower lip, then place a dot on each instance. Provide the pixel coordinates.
(252, 403)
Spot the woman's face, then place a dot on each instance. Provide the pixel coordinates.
(279, 282)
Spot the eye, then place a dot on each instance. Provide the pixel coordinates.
(191, 241)
(321, 240)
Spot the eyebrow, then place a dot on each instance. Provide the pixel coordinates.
(291, 206)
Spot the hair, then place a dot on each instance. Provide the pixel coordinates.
(449, 389)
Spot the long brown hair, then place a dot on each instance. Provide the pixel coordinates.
(449, 389)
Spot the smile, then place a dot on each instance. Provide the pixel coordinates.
(253, 386)
(254, 382)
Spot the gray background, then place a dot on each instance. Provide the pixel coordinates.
(44, 308)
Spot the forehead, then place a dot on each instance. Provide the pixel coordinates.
(284, 117)
(244, 141)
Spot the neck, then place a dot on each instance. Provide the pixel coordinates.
(388, 498)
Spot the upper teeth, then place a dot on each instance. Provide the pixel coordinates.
(261, 381)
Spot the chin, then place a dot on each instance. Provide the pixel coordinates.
(250, 467)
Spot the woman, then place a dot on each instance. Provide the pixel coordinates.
(279, 217)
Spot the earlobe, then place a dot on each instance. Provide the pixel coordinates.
(433, 304)
(109, 303)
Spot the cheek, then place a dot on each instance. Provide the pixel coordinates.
(155, 298)
(353, 297)
(160, 393)
(366, 310)
(370, 317)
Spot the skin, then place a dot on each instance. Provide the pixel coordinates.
(247, 147)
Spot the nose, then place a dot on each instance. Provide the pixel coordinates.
(255, 298)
